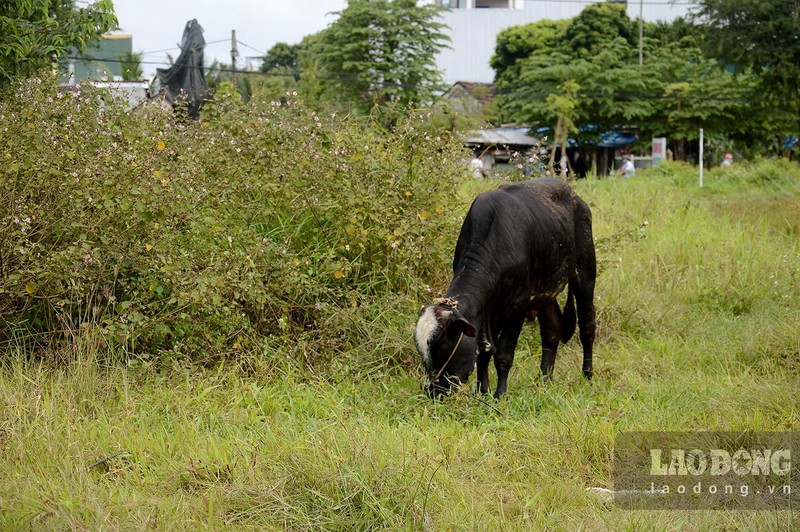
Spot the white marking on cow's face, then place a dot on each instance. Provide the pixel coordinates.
(427, 327)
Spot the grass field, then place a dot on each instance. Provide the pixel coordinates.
(698, 302)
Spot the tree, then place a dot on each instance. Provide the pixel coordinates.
(383, 52)
(519, 42)
(310, 84)
(695, 91)
(677, 90)
(33, 33)
(219, 77)
(602, 61)
(590, 31)
(131, 64)
(292, 68)
(281, 56)
(762, 35)
(563, 106)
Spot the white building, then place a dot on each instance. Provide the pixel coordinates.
(474, 25)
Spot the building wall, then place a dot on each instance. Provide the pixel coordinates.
(100, 61)
(474, 30)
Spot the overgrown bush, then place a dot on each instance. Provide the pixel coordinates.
(153, 232)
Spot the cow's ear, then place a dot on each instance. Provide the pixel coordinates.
(461, 325)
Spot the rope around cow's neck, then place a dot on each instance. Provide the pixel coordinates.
(436, 378)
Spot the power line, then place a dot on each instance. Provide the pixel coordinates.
(254, 49)
(160, 51)
(162, 63)
(178, 47)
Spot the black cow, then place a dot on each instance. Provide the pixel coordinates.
(519, 247)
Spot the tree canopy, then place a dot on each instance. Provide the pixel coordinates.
(758, 35)
(383, 51)
(34, 32)
(281, 55)
(680, 87)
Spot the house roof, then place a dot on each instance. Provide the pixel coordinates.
(483, 92)
(508, 136)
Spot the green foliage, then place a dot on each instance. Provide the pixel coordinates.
(295, 68)
(763, 35)
(220, 75)
(593, 50)
(519, 42)
(383, 52)
(589, 32)
(564, 108)
(677, 90)
(281, 55)
(694, 92)
(698, 313)
(34, 32)
(216, 74)
(206, 237)
(131, 64)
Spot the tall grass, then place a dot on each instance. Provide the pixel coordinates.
(698, 308)
(208, 327)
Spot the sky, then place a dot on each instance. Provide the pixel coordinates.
(259, 24)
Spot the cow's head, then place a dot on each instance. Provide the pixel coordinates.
(446, 342)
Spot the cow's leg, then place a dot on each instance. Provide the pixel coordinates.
(584, 299)
(583, 290)
(550, 329)
(504, 357)
(483, 371)
(485, 351)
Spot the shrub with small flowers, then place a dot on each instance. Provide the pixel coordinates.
(260, 220)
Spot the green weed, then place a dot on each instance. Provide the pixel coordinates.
(292, 400)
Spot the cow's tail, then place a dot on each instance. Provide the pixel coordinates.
(568, 317)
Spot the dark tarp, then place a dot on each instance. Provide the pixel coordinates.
(186, 79)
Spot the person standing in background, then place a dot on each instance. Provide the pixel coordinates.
(728, 160)
(627, 169)
(476, 165)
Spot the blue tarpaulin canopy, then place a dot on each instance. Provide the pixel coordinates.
(609, 139)
(547, 131)
(616, 139)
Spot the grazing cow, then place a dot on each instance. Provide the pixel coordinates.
(519, 247)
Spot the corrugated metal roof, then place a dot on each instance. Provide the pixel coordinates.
(511, 136)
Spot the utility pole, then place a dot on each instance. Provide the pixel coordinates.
(234, 55)
(700, 156)
(641, 34)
